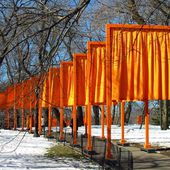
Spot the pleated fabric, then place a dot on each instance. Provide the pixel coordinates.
(9, 96)
(66, 84)
(96, 73)
(139, 57)
(79, 78)
(50, 93)
(2, 100)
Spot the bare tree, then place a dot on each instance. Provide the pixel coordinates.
(31, 34)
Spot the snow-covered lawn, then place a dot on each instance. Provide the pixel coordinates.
(20, 150)
(135, 135)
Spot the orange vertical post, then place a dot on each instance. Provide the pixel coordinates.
(85, 119)
(30, 119)
(61, 123)
(22, 126)
(75, 101)
(89, 142)
(108, 91)
(61, 103)
(147, 144)
(49, 105)
(74, 125)
(102, 121)
(14, 109)
(49, 120)
(108, 153)
(30, 111)
(39, 116)
(122, 141)
(22, 111)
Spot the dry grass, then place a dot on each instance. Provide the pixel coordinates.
(62, 151)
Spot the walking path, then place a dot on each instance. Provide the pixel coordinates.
(149, 161)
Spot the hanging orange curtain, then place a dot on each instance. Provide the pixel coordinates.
(54, 98)
(79, 69)
(96, 72)
(26, 93)
(67, 83)
(3, 99)
(45, 95)
(139, 57)
(10, 96)
(55, 87)
(9, 99)
(79, 81)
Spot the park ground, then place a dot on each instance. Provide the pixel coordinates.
(20, 150)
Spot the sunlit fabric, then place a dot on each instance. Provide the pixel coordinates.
(79, 70)
(45, 89)
(51, 95)
(140, 65)
(66, 84)
(54, 93)
(96, 79)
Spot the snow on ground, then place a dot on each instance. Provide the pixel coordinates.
(133, 134)
(20, 150)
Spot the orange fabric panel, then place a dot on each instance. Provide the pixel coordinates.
(139, 57)
(3, 99)
(45, 92)
(28, 92)
(33, 84)
(10, 96)
(51, 95)
(55, 86)
(13, 96)
(96, 66)
(66, 84)
(20, 95)
(79, 69)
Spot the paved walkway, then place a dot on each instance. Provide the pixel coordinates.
(149, 161)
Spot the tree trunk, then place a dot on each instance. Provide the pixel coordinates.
(80, 116)
(164, 110)
(56, 112)
(118, 118)
(128, 112)
(143, 118)
(96, 114)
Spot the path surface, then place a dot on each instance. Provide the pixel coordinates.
(149, 161)
(20, 150)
